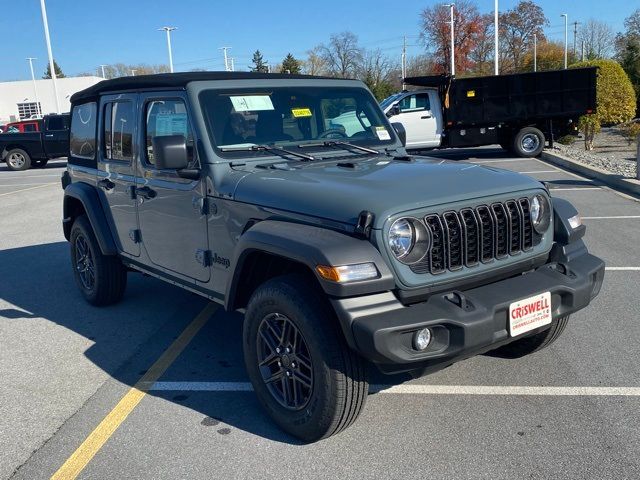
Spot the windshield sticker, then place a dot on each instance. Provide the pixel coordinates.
(382, 133)
(171, 124)
(251, 103)
(301, 112)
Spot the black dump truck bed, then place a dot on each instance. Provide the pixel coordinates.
(509, 98)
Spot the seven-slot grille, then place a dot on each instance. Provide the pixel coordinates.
(471, 236)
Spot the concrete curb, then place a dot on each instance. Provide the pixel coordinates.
(627, 185)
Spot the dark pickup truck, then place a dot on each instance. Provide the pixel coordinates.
(23, 150)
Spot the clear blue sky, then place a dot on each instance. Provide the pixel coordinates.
(86, 33)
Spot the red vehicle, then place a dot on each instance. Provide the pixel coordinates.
(23, 126)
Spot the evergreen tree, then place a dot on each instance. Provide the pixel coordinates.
(259, 64)
(290, 65)
(57, 69)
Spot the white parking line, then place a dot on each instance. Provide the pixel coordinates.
(540, 171)
(612, 217)
(574, 189)
(26, 189)
(623, 269)
(24, 184)
(504, 160)
(419, 389)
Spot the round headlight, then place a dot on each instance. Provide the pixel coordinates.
(401, 237)
(540, 213)
(409, 240)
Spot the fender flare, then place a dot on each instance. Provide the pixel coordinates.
(310, 246)
(88, 197)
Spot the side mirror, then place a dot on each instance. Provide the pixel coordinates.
(393, 111)
(401, 132)
(170, 152)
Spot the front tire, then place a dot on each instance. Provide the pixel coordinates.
(528, 142)
(17, 160)
(304, 374)
(533, 343)
(101, 279)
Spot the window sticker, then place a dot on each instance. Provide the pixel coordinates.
(382, 133)
(251, 103)
(171, 124)
(301, 112)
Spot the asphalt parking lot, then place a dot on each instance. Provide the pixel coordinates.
(570, 411)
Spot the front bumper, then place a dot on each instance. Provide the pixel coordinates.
(463, 323)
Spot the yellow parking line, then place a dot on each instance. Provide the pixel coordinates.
(30, 188)
(96, 439)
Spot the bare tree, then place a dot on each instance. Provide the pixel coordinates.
(598, 38)
(315, 64)
(517, 27)
(377, 70)
(343, 55)
(124, 70)
(482, 55)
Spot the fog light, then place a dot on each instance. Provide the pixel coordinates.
(422, 339)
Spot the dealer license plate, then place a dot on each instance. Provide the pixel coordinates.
(529, 314)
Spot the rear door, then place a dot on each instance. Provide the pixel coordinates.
(56, 136)
(117, 166)
(172, 223)
(418, 120)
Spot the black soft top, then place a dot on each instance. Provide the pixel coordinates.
(173, 80)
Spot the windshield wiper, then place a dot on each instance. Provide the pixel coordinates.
(339, 143)
(269, 148)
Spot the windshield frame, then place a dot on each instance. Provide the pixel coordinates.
(200, 88)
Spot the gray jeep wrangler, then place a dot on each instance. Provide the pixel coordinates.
(291, 198)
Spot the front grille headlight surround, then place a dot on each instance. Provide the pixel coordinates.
(540, 211)
(409, 240)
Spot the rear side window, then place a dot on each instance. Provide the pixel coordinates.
(82, 138)
(119, 122)
(30, 127)
(57, 123)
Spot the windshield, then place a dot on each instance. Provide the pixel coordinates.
(389, 100)
(290, 116)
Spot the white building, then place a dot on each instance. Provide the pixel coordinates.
(18, 99)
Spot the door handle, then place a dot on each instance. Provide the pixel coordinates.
(425, 117)
(49, 135)
(145, 192)
(106, 184)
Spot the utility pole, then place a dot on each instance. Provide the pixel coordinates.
(43, 9)
(226, 58)
(35, 88)
(535, 52)
(575, 37)
(404, 61)
(495, 39)
(169, 30)
(566, 37)
(102, 67)
(133, 72)
(452, 47)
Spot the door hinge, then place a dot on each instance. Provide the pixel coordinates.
(204, 257)
(135, 235)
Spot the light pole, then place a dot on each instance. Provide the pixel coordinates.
(35, 88)
(535, 52)
(102, 67)
(45, 22)
(133, 72)
(169, 30)
(226, 58)
(495, 38)
(566, 37)
(453, 59)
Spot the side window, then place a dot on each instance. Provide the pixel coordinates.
(57, 123)
(167, 117)
(119, 122)
(414, 103)
(30, 127)
(82, 139)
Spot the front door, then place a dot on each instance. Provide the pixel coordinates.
(172, 223)
(117, 168)
(418, 120)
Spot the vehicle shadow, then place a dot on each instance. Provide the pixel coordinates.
(462, 154)
(37, 282)
(55, 164)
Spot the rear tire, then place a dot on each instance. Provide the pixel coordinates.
(292, 343)
(528, 345)
(101, 279)
(17, 160)
(528, 142)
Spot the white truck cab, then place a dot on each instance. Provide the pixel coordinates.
(420, 112)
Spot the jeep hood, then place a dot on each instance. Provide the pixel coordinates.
(340, 191)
